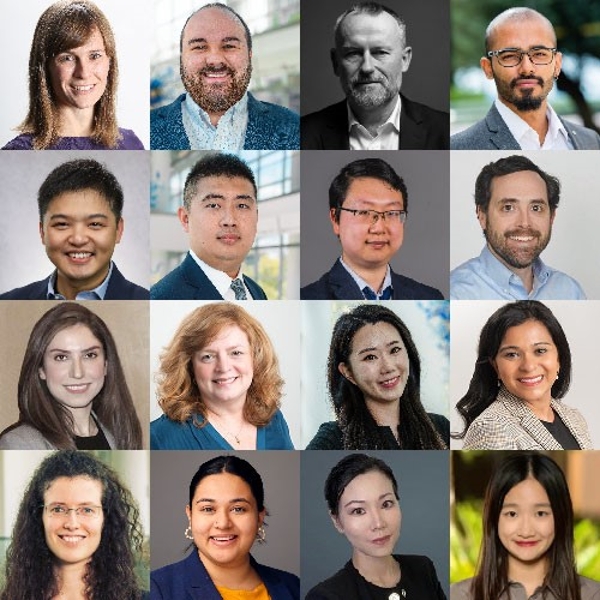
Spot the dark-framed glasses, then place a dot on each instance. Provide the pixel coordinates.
(511, 57)
(61, 511)
(368, 215)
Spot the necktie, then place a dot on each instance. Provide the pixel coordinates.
(369, 294)
(238, 289)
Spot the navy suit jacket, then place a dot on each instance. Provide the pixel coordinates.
(270, 127)
(421, 128)
(189, 580)
(337, 284)
(119, 288)
(492, 133)
(189, 282)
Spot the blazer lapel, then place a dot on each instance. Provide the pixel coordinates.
(500, 135)
(341, 284)
(564, 413)
(412, 130)
(195, 277)
(335, 133)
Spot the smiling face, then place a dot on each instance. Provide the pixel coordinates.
(74, 367)
(526, 524)
(370, 58)
(73, 539)
(525, 86)
(527, 362)
(517, 223)
(221, 222)
(369, 516)
(224, 520)
(223, 369)
(378, 364)
(78, 76)
(369, 246)
(80, 232)
(215, 60)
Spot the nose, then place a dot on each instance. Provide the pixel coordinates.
(222, 520)
(83, 68)
(71, 519)
(526, 528)
(367, 65)
(378, 223)
(377, 520)
(524, 217)
(222, 363)
(526, 65)
(385, 366)
(76, 370)
(527, 362)
(78, 235)
(227, 215)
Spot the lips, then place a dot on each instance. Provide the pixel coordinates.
(526, 82)
(227, 381)
(381, 541)
(83, 88)
(223, 540)
(77, 388)
(229, 238)
(80, 257)
(389, 383)
(72, 540)
(531, 380)
(527, 544)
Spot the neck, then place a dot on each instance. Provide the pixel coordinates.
(383, 571)
(530, 575)
(374, 276)
(542, 410)
(373, 118)
(238, 576)
(83, 423)
(536, 119)
(387, 414)
(70, 289)
(76, 122)
(71, 581)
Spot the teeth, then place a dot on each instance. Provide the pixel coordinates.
(521, 238)
(76, 388)
(223, 539)
(72, 538)
(83, 88)
(531, 379)
(216, 74)
(80, 254)
(225, 381)
(387, 381)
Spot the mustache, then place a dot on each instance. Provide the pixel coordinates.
(515, 82)
(216, 69)
(523, 231)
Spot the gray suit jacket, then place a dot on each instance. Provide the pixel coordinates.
(26, 437)
(508, 424)
(492, 133)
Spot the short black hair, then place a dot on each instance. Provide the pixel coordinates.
(507, 166)
(364, 167)
(215, 165)
(77, 175)
(224, 8)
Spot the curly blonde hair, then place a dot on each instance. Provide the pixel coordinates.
(178, 393)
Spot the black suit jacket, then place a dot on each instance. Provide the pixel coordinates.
(421, 128)
(189, 282)
(119, 288)
(337, 284)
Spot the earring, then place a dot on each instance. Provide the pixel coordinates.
(188, 533)
(261, 535)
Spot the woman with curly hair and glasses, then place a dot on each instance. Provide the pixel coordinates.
(77, 534)
(219, 385)
(73, 75)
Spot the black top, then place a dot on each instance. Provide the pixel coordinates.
(560, 432)
(419, 581)
(329, 435)
(92, 442)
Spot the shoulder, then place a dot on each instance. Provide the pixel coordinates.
(120, 288)
(496, 428)
(584, 138)
(166, 127)
(416, 566)
(169, 576)
(561, 286)
(324, 116)
(461, 590)
(21, 142)
(271, 127)
(406, 288)
(257, 292)
(278, 433)
(167, 111)
(590, 589)
(24, 437)
(328, 437)
(271, 575)
(169, 287)
(340, 586)
(166, 434)
(32, 291)
(426, 113)
(474, 137)
(442, 425)
(129, 141)
(465, 282)
(317, 290)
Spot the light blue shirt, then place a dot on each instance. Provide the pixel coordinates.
(97, 293)
(362, 284)
(486, 278)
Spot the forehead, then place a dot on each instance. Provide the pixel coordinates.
(86, 199)
(522, 33)
(74, 489)
(522, 184)
(370, 190)
(373, 335)
(529, 331)
(223, 487)
(528, 491)
(362, 28)
(222, 185)
(229, 334)
(78, 334)
(366, 485)
(213, 24)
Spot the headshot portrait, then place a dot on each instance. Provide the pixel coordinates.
(70, 216)
(75, 375)
(522, 375)
(526, 523)
(517, 231)
(397, 498)
(251, 349)
(197, 495)
(220, 53)
(225, 226)
(84, 89)
(367, 90)
(520, 54)
(99, 498)
(375, 375)
(348, 244)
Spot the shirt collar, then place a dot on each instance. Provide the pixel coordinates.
(387, 280)
(220, 279)
(393, 119)
(97, 293)
(502, 275)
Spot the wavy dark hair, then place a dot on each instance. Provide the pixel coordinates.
(359, 428)
(113, 405)
(483, 388)
(110, 574)
(561, 578)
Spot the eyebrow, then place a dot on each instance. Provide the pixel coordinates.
(516, 504)
(233, 347)
(364, 501)
(515, 347)
(201, 40)
(373, 348)
(514, 200)
(96, 347)
(232, 501)
(65, 216)
(215, 196)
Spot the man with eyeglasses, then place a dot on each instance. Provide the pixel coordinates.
(522, 59)
(368, 206)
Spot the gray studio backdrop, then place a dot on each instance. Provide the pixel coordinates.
(424, 254)
(423, 483)
(172, 472)
(428, 33)
(22, 255)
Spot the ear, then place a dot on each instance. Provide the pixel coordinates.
(105, 368)
(552, 215)
(494, 366)
(188, 513)
(336, 522)
(184, 218)
(42, 235)
(333, 217)
(557, 64)
(481, 217)
(42, 373)
(486, 65)
(346, 372)
(334, 62)
(261, 516)
(406, 58)
(120, 228)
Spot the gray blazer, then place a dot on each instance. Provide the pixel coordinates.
(508, 424)
(492, 133)
(26, 437)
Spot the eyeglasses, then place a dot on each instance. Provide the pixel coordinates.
(368, 215)
(511, 57)
(61, 511)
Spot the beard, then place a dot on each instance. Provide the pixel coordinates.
(517, 257)
(371, 96)
(216, 97)
(523, 101)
